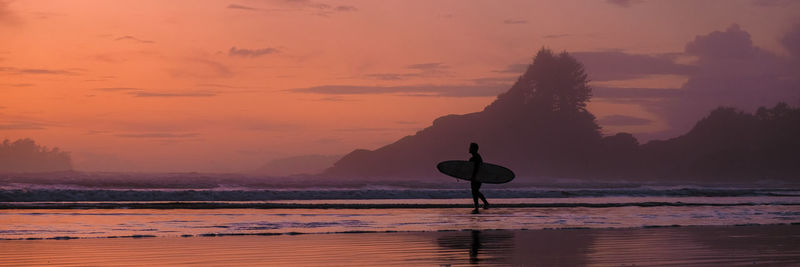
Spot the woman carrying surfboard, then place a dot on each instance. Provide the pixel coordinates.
(474, 183)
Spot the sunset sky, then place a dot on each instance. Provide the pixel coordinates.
(225, 86)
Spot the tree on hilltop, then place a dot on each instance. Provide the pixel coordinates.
(552, 83)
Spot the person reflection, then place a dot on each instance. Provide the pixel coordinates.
(475, 247)
(481, 246)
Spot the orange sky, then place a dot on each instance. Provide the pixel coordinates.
(212, 85)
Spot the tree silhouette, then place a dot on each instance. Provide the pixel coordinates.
(24, 155)
(552, 83)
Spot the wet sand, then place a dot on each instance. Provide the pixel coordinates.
(694, 245)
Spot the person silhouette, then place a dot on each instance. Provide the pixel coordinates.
(474, 183)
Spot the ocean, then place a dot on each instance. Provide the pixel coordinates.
(124, 222)
(58, 211)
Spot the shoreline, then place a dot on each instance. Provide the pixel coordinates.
(356, 232)
(565, 203)
(69, 222)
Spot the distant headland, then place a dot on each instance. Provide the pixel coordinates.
(540, 127)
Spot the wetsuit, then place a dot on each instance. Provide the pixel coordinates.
(476, 186)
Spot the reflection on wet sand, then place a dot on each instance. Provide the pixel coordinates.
(547, 247)
(717, 245)
(721, 245)
(481, 246)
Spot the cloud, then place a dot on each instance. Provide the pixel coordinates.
(22, 71)
(134, 39)
(623, 120)
(268, 126)
(217, 67)
(96, 132)
(308, 4)
(624, 3)
(514, 68)
(502, 80)
(421, 70)
(392, 76)
(515, 21)
(368, 129)
(729, 70)
(733, 43)
(138, 92)
(322, 9)
(220, 85)
(204, 68)
(411, 90)
(236, 6)
(615, 65)
(428, 66)
(172, 94)
(22, 125)
(332, 98)
(235, 52)
(555, 36)
(312, 7)
(613, 93)
(20, 84)
(158, 135)
(43, 71)
(7, 16)
(772, 3)
(791, 42)
(4, 9)
(117, 89)
(328, 141)
(345, 8)
(446, 16)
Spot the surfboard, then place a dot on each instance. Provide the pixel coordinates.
(487, 173)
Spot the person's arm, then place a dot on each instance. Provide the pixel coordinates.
(475, 169)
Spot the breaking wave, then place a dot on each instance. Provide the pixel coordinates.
(80, 194)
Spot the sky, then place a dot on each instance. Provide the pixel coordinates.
(226, 86)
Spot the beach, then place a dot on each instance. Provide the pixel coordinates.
(564, 227)
(691, 246)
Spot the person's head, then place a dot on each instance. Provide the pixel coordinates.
(473, 148)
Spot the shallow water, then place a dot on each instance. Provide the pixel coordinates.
(615, 230)
(335, 216)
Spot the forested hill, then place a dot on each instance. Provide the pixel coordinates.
(727, 145)
(24, 155)
(540, 128)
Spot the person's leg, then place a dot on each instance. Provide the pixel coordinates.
(485, 203)
(476, 194)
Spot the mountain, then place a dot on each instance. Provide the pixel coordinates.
(540, 128)
(729, 145)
